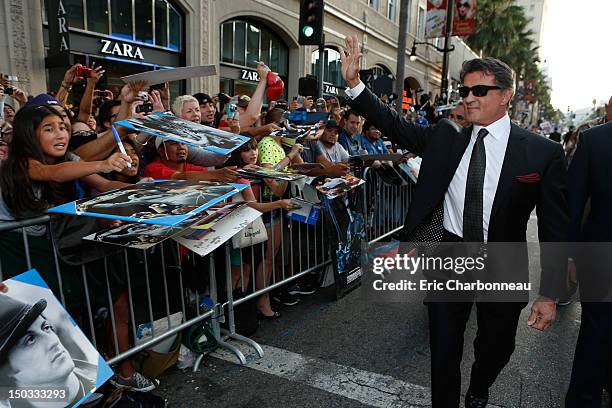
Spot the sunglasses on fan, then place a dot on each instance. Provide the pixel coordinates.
(477, 90)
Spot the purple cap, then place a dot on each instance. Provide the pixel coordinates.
(43, 99)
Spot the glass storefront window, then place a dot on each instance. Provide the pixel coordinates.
(332, 67)
(226, 86)
(283, 59)
(265, 47)
(244, 43)
(239, 43)
(97, 16)
(227, 42)
(253, 35)
(144, 21)
(175, 29)
(74, 10)
(121, 19)
(149, 21)
(274, 56)
(161, 23)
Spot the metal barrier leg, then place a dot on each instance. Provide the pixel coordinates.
(215, 322)
(231, 333)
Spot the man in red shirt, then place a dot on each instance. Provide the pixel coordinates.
(172, 165)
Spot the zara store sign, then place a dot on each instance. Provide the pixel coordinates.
(121, 49)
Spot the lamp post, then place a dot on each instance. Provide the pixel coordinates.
(445, 51)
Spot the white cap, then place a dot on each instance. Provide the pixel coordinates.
(158, 142)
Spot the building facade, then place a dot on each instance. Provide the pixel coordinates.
(535, 11)
(130, 36)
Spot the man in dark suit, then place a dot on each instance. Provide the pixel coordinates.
(589, 177)
(555, 135)
(483, 181)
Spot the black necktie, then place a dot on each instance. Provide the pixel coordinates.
(472, 209)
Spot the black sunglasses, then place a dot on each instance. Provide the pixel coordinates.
(477, 90)
(465, 5)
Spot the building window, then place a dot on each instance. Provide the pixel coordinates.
(373, 4)
(161, 23)
(144, 22)
(74, 10)
(409, 17)
(148, 21)
(380, 71)
(175, 29)
(421, 23)
(121, 19)
(332, 68)
(391, 10)
(97, 16)
(245, 44)
(253, 48)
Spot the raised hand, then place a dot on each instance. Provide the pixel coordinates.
(156, 100)
(96, 74)
(116, 162)
(351, 61)
(262, 70)
(70, 75)
(129, 92)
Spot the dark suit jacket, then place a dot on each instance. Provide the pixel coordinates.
(590, 177)
(441, 147)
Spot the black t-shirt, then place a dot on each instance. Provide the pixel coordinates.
(80, 138)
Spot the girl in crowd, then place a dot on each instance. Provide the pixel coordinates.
(272, 155)
(39, 168)
(247, 156)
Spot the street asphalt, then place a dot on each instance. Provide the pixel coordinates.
(388, 340)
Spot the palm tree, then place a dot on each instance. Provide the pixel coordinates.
(503, 34)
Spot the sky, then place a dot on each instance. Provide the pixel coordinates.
(576, 47)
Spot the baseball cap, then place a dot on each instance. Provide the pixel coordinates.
(203, 98)
(16, 317)
(42, 99)
(158, 142)
(332, 124)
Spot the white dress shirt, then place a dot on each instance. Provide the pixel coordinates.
(495, 148)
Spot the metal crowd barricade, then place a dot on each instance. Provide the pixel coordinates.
(385, 206)
(88, 322)
(302, 250)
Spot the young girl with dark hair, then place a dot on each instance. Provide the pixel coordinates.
(39, 170)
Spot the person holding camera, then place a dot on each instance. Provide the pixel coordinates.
(84, 125)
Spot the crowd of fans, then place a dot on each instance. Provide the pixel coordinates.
(59, 146)
(54, 150)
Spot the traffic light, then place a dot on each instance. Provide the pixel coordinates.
(311, 22)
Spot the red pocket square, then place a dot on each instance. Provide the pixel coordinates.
(528, 178)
